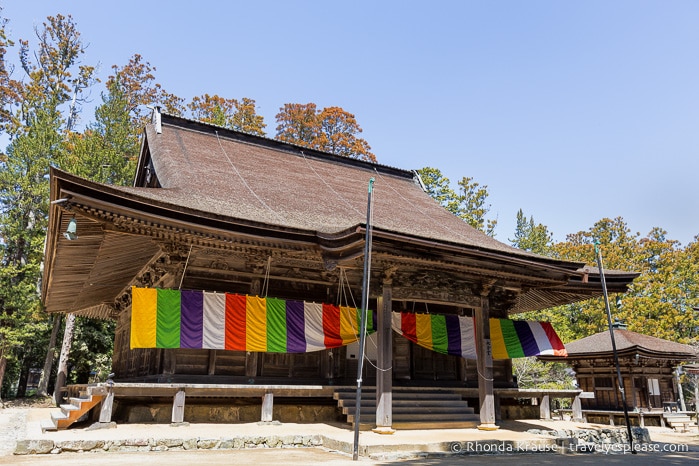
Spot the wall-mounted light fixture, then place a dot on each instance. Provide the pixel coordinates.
(71, 232)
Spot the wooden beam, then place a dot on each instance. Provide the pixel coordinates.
(384, 375)
(178, 407)
(212, 362)
(267, 407)
(106, 408)
(577, 409)
(545, 408)
(485, 366)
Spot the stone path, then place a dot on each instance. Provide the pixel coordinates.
(21, 426)
(13, 424)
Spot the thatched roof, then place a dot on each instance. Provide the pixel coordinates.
(198, 183)
(628, 344)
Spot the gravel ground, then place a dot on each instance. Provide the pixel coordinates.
(19, 420)
(13, 420)
(12, 426)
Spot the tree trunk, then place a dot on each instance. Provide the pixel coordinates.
(43, 388)
(23, 376)
(62, 374)
(3, 365)
(680, 392)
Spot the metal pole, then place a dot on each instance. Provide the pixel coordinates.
(362, 325)
(598, 254)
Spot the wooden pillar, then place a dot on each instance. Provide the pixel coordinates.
(507, 368)
(484, 364)
(251, 357)
(384, 375)
(212, 362)
(577, 409)
(178, 407)
(106, 408)
(267, 407)
(680, 392)
(545, 407)
(169, 361)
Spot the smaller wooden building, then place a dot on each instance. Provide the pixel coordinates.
(646, 364)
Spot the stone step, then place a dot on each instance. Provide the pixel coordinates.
(73, 412)
(47, 425)
(411, 403)
(414, 409)
(678, 419)
(435, 411)
(79, 401)
(463, 408)
(407, 417)
(425, 425)
(398, 395)
(71, 407)
(58, 417)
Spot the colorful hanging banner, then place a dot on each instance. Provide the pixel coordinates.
(455, 335)
(163, 318)
(445, 334)
(523, 338)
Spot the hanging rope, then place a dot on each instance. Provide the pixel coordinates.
(185, 265)
(265, 284)
(275, 213)
(343, 199)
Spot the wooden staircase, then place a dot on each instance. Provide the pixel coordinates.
(677, 420)
(412, 409)
(71, 413)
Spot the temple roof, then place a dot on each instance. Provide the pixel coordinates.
(201, 184)
(627, 343)
(264, 181)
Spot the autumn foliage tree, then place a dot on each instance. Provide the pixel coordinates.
(135, 81)
(661, 300)
(239, 115)
(43, 111)
(332, 130)
(658, 303)
(10, 88)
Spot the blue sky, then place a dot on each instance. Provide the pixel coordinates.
(570, 110)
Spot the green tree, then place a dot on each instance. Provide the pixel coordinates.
(91, 353)
(473, 207)
(532, 373)
(658, 303)
(108, 149)
(530, 236)
(54, 85)
(439, 188)
(469, 203)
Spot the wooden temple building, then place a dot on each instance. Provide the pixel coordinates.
(222, 211)
(647, 365)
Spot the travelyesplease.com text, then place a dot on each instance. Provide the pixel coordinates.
(475, 448)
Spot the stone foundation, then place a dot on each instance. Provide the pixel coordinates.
(37, 447)
(596, 438)
(161, 413)
(508, 412)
